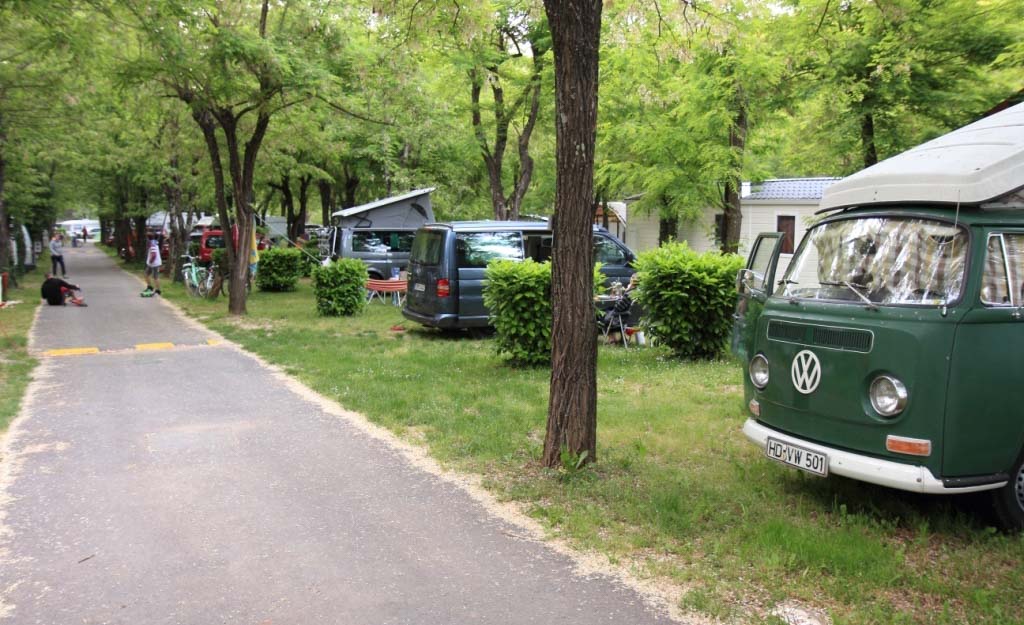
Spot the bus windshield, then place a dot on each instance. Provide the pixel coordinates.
(879, 261)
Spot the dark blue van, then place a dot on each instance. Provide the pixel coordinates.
(448, 261)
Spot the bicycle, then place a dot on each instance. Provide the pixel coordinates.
(226, 285)
(198, 279)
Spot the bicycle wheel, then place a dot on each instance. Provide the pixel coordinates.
(211, 279)
(202, 284)
(190, 284)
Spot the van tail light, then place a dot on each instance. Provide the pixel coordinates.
(443, 288)
(909, 446)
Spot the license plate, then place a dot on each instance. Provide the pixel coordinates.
(799, 457)
(419, 286)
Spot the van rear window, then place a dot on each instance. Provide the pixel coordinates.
(427, 247)
(476, 249)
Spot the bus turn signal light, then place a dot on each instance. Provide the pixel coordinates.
(909, 446)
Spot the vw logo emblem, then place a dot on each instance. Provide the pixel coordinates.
(806, 372)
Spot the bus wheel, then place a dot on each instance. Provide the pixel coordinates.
(1009, 500)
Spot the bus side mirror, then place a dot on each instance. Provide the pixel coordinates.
(745, 281)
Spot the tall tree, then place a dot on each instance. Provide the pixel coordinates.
(235, 66)
(572, 407)
(885, 76)
(708, 74)
(36, 51)
(514, 35)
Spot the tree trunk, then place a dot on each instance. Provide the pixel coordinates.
(177, 221)
(287, 205)
(242, 166)
(572, 408)
(303, 206)
(351, 185)
(123, 235)
(493, 159)
(326, 201)
(5, 232)
(139, 232)
(522, 183)
(867, 139)
(204, 118)
(668, 229)
(733, 217)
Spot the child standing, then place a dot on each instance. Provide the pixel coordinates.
(153, 262)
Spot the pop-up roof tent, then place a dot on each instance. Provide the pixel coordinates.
(977, 165)
(411, 210)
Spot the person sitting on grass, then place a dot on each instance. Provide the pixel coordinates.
(614, 318)
(57, 292)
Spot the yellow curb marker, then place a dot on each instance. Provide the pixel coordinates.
(212, 342)
(145, 347)
(72, 351)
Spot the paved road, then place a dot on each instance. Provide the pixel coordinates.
(132, 492)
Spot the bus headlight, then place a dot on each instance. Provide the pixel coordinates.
(888, 396)
(759, 371)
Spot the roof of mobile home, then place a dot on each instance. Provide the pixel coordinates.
(976, 164)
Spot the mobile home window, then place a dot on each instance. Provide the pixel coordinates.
(1003, 280)
(786, 224)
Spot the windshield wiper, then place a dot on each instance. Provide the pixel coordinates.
(853, 287)
(786, 282)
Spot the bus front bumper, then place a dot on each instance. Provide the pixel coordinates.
(887, 473)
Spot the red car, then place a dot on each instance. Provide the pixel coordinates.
(209, 241)
(214, 239)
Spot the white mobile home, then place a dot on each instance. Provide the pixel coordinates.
(776, 205)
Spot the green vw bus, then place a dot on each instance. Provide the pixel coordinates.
(891, 350)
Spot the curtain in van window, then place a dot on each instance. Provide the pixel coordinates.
(1015, 256)
(995, 288)
(892, 261)
(1005, 252)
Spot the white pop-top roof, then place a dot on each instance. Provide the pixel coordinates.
(972, 165)
(348, 212)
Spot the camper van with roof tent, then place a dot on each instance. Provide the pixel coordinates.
(892, 349)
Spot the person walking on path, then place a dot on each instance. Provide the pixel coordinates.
(57, 255)
(153, 262)
(58, 292)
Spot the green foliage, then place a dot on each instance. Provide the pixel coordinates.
(340, 288)
(688, 298)
(518, 297)
(220, 259)
(310, 256)
(280, 269)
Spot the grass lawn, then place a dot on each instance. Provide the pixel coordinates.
(678, 492)
(15, 363)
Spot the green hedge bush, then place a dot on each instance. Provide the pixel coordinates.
(518, 298)
(340, 287)
(279, 269)
(688, 298)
